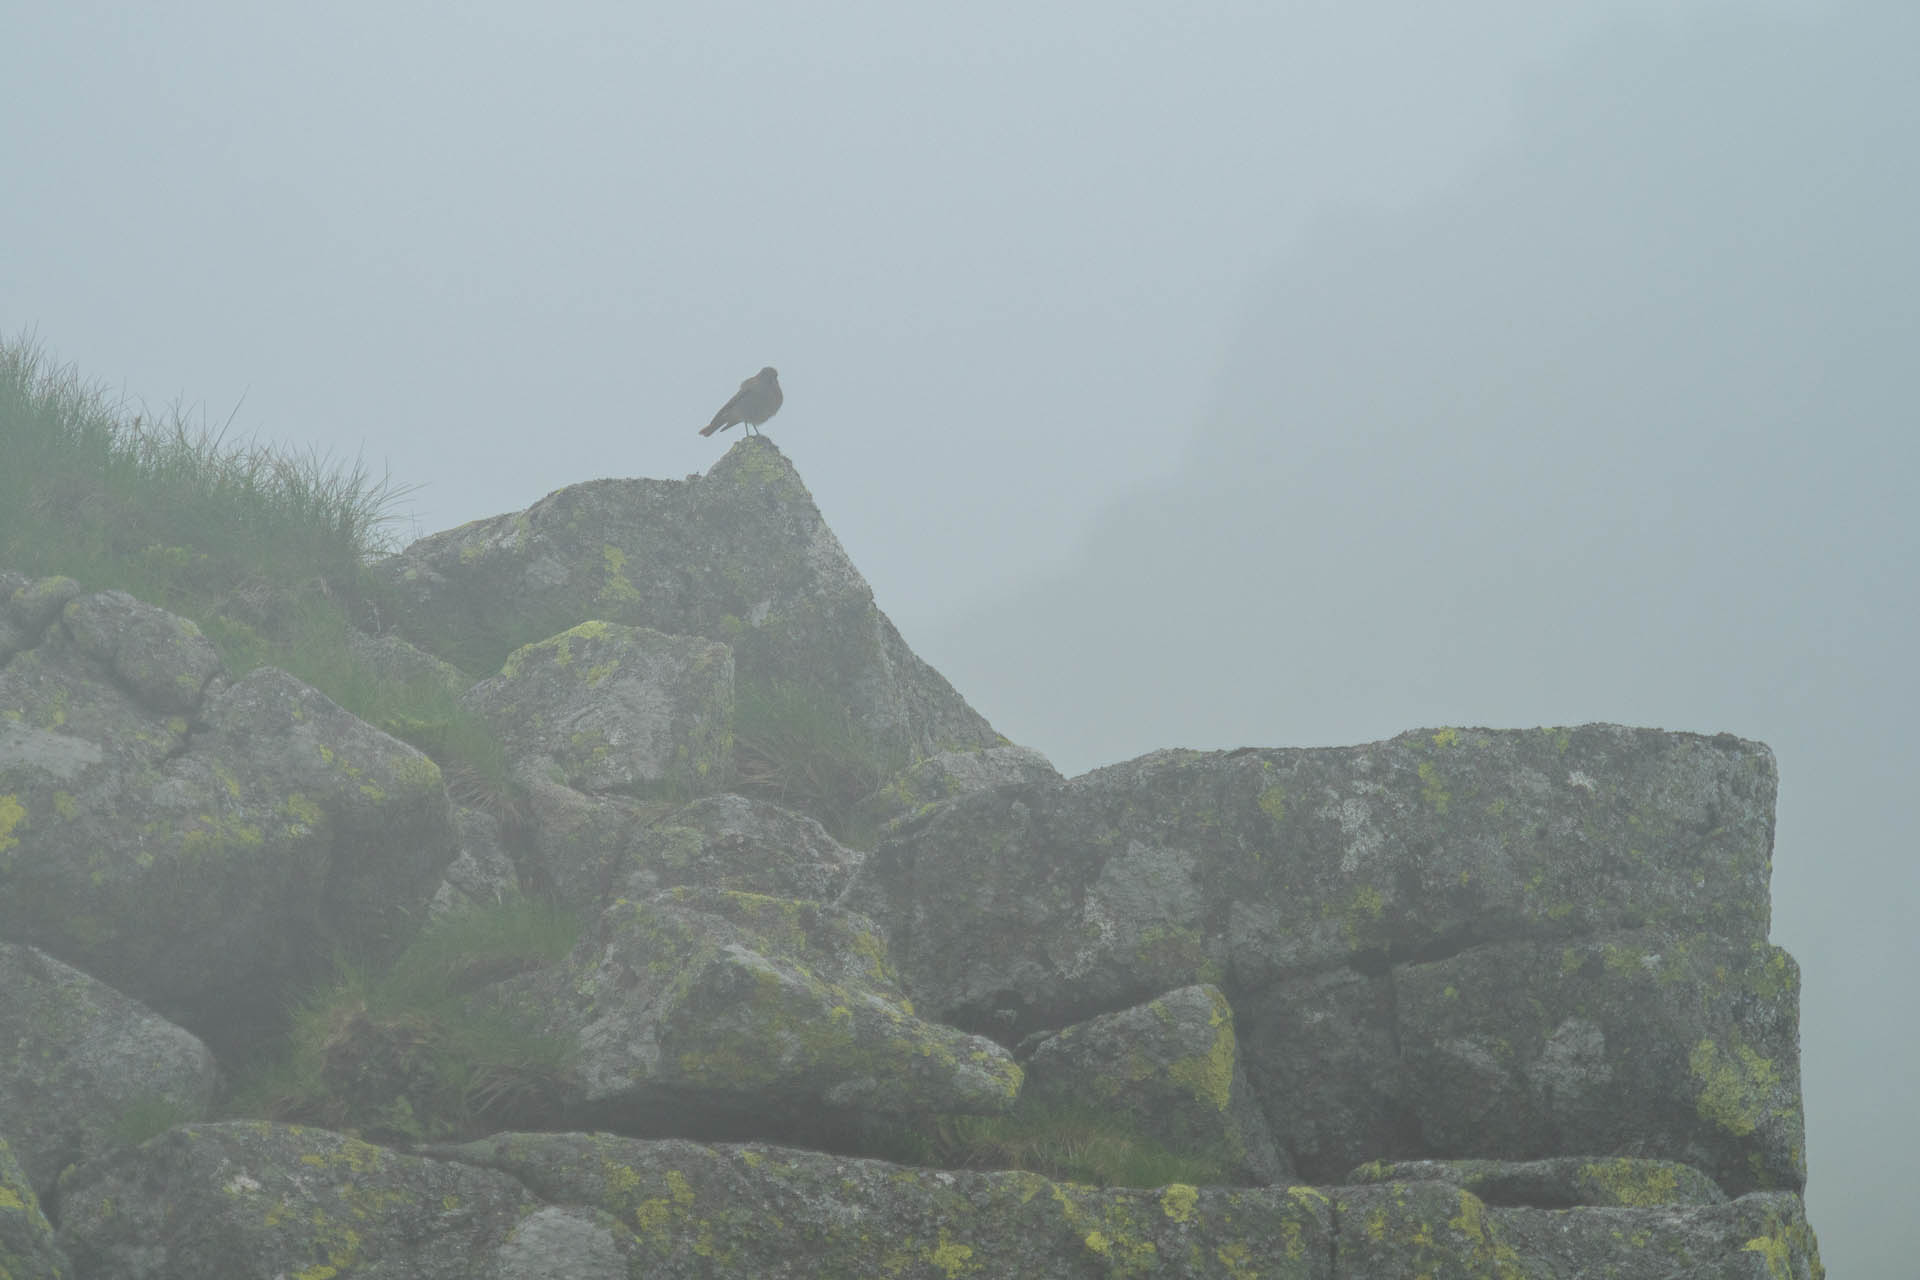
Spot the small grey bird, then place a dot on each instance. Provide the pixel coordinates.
(757, 400)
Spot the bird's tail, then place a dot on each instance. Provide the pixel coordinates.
(710, 428)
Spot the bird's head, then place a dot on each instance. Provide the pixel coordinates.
(769, 374)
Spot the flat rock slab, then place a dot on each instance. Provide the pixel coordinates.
(1021, 908)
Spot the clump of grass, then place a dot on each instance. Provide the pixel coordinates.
(265, 549)
(405, 1055)
(1067, 1141)
(799, 745)
(167, 504)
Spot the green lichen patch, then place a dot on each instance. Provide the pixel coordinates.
(1422, 1229)
(1737, 1088)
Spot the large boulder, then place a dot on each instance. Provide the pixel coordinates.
(714, 1011)
(1020, 908)
(196, 843)
(99, 1063)
(740, 555)
(1171, 1066)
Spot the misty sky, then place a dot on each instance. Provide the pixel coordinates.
(1280, 374)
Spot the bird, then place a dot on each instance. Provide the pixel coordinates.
(757, 400)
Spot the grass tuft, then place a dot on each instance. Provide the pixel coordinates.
(167, 504)
(799, 746)
(405, 1055)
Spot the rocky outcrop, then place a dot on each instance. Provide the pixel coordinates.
(740, 555)
(199, 844)
(1461, 1003)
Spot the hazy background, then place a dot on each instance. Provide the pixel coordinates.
(1281, 374)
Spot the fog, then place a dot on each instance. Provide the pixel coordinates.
(1249, 374)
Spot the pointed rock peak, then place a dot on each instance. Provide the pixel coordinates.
(741, 555)
(757, 461)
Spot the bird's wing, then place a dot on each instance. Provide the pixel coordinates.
(730, 411)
